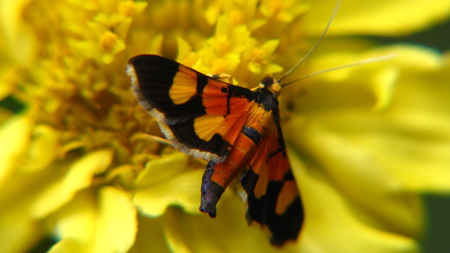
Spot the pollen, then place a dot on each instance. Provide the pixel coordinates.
(258, 55)
(222, 45)
(236, 17)
(272, 7)
(219, 65)
(108, 41)
(127, 8)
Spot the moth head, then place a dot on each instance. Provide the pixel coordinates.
(271, 84)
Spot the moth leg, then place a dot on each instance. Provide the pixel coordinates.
(211, 191)
(221, 76)
(151, 137)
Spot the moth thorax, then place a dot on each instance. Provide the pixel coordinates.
(271, 84)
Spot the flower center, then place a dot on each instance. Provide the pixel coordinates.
(126, 8)
(108, 41)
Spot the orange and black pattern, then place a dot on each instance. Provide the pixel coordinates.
(235, 128)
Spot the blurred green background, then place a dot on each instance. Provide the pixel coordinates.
(437, 37)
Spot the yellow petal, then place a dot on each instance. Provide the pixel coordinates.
(18, 33)
(9, 77)
(273, 68)
(182, 189)
(161, 170)
(419, 113)
(360, 176)
(135, 46)
(270, 46)
(75, 223)
(376, 17)
(378, 161)
(14, 138)
(116, 222)
(67, 245)
(378, 77)
(78, 176)
(226, 233)
(18, 231)
(42, 150)
(184, 50)
(414, 124)
(129, 8)
(327, 213)
(168, 181)
(107, 226)
(150, 235)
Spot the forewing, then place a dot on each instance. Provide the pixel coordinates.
(199, 115)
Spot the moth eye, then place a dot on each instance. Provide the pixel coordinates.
(224, 90)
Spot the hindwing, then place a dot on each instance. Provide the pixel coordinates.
(272, 194)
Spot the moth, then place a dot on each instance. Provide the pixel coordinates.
(236, 129)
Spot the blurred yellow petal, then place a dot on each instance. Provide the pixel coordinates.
(116, 222)
(161, 170)
(414, 125)
(111, 44)
(184, 51)
(228, 232)
(150, 236)
(381, 199)
(130, 8)
(67, 245)
(14, 138)
(41, 152)
(8, 77)
(78, 176)
(181, 190)
(19, 35)
(327, 211)
(379, 160)
(167, 182)
(378, 77)
(392, 18)
(420, 111)
(18, 231)
(152, 47)
(270, 46)
(75, 223)
(108, 227)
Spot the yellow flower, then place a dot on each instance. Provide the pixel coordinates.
(78, 164)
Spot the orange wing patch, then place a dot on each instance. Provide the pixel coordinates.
(184, 101)
(183, 91)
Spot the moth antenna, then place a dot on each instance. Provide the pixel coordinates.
(370, 60)
(336, 7)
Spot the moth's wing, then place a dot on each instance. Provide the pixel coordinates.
(199, 115)
(272, 194)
